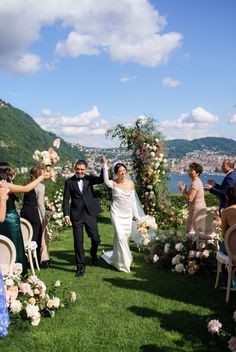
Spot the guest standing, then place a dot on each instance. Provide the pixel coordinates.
(229, 179)
(194, 196)
(33, 210)
(11, 225)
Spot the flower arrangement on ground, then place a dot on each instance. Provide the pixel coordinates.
(179, 254)
(30, 300)
(148, 155)
(54, 214)
(48, 158)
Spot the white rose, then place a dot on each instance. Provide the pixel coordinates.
(167, 248)
(155, 258)
(56, 302)
(16, 306)
(176, 259)
(32, 311)
(179, 268)
(179, 246)
(35, 321)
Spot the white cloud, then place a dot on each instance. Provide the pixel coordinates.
(195, 124)
(171, 83)
(232, 119)
(81, 128)
(126, 79)
(129, 31)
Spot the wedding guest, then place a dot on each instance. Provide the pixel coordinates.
(11, 225)
(228, 218)
(194, 196)
(33, 210)
(229, 179)
(4, 317)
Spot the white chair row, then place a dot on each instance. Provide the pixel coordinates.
(229, 259)
(8, 250)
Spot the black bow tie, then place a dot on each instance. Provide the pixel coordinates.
(80, 178)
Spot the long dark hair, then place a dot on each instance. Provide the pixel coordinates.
(6, 172)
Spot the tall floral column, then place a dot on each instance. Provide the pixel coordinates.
(147, 149)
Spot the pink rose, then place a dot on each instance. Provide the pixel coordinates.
(214, 326)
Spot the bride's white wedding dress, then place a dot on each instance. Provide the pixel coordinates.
(123, 209)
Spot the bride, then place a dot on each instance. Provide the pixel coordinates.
(123, 210)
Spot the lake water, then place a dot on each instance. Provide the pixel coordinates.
(175, 178)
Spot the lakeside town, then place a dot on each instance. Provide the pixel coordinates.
(210, 160)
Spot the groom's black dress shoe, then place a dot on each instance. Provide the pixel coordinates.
(80, 272)
(95, 260)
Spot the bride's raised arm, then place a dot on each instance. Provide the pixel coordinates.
(108, 183)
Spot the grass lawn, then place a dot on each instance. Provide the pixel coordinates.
(146, 310)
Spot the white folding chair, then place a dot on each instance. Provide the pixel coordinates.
(7, 255)
(228, 260)
(204, 229)
(30, 246)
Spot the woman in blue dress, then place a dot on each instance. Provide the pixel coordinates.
(4, 318)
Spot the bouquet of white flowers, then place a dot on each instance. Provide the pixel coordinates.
(144, 225)
(48, 158)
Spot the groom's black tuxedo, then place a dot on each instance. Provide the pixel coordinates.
(83, 207)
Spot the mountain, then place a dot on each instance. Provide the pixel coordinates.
(177, 148)
(20, 136)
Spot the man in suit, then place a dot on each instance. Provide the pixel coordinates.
(81, 207)
(229, 179)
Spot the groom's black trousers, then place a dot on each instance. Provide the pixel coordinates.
(90, 224)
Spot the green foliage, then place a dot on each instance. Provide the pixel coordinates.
(20, 136)
(178, 201)
(177, 148)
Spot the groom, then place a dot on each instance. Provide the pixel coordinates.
(80, 207)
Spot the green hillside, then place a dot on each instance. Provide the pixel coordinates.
(20, 136)
(177, 148)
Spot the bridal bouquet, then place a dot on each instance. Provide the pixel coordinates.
(144, 225)
(48, 158)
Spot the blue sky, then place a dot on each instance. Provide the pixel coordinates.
(79, 67)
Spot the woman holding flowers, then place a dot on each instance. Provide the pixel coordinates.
(11, 225)
(34, 211)
(194, 196)
(123, 209)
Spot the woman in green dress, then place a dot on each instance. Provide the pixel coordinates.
(11, 225)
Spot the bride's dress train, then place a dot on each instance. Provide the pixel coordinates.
(123, 209)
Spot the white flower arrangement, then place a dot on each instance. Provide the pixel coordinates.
(29, 299)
